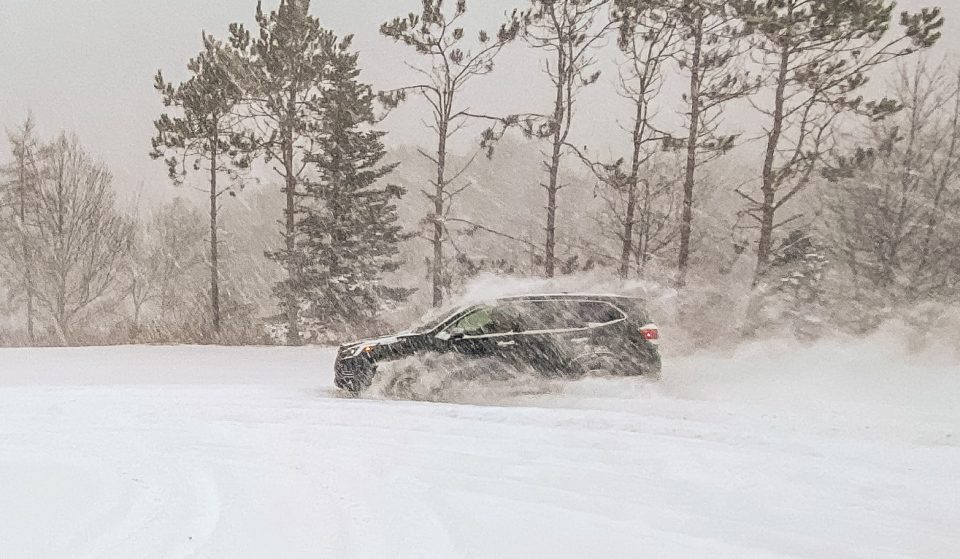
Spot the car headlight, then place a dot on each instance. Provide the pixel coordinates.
(361, 349)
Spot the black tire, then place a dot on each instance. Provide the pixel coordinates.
(609, 365)
(598, 364)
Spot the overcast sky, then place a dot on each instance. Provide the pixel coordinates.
(88, 65)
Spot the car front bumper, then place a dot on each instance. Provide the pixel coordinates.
(353, 374)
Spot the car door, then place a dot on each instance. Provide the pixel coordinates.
(487, 331)
(559, 332)
(538, 345)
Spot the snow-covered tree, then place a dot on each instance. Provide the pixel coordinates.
(797, 284)
(283, 69)
(79, 237)
(347, 221)
(892, 210)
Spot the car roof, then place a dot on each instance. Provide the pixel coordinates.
(573, 296)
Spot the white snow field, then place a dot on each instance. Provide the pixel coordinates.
(843, 449)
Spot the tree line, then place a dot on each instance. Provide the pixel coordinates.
(850, 198)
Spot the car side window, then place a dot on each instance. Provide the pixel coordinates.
(598, 312)
(489, 320)
(567, 315)
(552, 315)
(474, 322)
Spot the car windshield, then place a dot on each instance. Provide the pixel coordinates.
(435, 318)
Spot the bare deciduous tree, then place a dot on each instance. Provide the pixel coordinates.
(79, 237)
(159, 269)
(815, 57)
(18, 201)
(892, 210)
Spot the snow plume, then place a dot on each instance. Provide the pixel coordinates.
(714, 313)
(455, 379)
(879, 387)
(889, 378)
(893, 367)
(708, 315)
(491, 286)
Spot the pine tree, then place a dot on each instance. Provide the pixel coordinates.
(710, 44)
(705, 40)
(347, 222)
(799, 290)
(283, 70)
(205, 134)
(438, 34)
(569, 32)
(647, 39)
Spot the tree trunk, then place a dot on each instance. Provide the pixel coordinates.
(645, 226)
(627, 249)
(689, 181)
(135, 327)
(768, 184)
(943, 182)
(292, 306)
(60, 320)
(214, 248)
(550, 247)
(553, 168)
(440, 187)
(25, 249)
(628, 225)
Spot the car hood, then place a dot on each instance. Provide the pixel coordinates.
(377, 342)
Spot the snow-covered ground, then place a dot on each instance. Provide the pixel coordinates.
(842, 449)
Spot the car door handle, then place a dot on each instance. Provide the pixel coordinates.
(507, 344)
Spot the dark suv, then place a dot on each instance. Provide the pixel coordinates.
(555, 335)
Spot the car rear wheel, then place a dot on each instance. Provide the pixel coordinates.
(609, 365)
(599, 365)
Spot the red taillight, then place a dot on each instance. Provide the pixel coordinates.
(651, 333)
